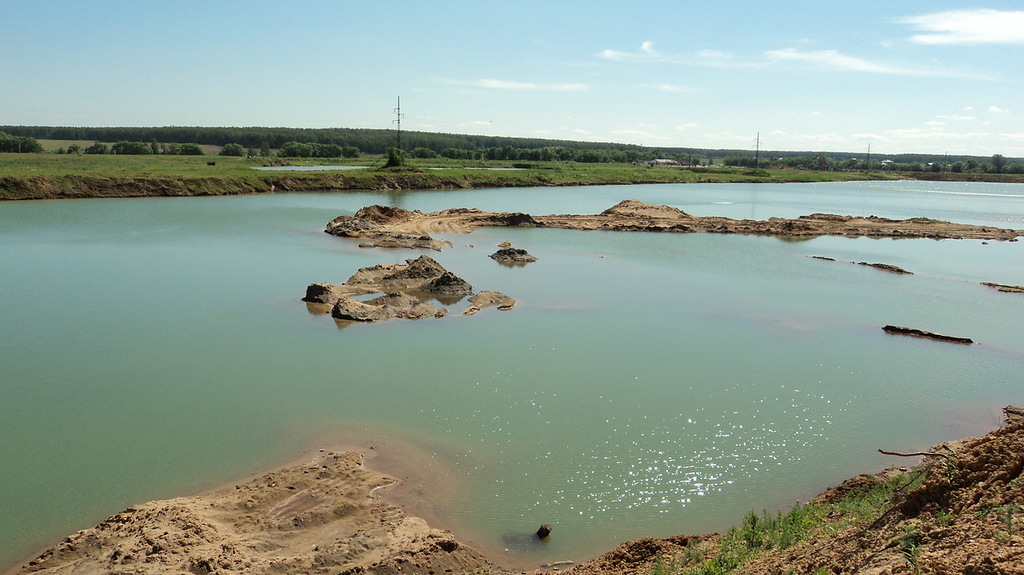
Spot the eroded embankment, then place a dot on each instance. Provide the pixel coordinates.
(395, 227)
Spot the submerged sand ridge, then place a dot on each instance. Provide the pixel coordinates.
(382, 226)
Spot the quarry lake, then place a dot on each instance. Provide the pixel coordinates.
(645, 384)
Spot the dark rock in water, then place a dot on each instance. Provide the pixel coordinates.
(544, 531)
(449, 284)
(512, 256)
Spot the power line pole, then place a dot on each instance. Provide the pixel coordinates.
(867, 165)
(757, 150)
(398, 123)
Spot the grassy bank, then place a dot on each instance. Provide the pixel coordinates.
(52, 176)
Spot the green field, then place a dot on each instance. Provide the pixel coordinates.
(53, 176)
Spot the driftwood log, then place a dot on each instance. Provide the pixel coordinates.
(914, 454)
(928, 334)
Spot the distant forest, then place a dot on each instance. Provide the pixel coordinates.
(306, 141)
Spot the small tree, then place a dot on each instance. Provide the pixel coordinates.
(998, 163)
(190, 150)
(295, 150)
(394, 158)
(126, 148)
(423, 153)
(232, 150)
(97, 148)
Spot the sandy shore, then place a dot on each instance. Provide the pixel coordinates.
(323, 513)
(334, 511)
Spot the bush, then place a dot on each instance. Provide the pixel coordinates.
(295, 150)
(190, 150)
(97, 148)
(126, 148)
(232, 150)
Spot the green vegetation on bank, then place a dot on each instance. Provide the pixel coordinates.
(764, 533)
(53, 176)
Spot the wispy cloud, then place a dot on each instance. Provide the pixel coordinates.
(495, 84)
(647, 52)
(670, 88)
(977, 26)
(834, 60)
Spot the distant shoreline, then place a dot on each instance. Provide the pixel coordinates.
(51, 177)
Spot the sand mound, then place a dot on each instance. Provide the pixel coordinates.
(320, 517)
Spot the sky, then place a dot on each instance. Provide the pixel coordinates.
(914, 76)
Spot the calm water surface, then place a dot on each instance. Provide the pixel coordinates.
(645, 384)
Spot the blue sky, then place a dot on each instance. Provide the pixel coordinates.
(912, 76)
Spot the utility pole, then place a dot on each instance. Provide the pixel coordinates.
(398, 123)
(757, 150)
(867, 164)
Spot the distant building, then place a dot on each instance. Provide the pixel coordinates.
(663, 162)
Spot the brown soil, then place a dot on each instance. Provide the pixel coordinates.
(394, 227)
(318, 517)
(1004, 288)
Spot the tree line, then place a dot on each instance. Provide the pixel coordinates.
(19, 144)
(368, 141)
(997, 164)
(351, 142)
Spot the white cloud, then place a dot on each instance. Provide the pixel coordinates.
(835, 60)
(638, 135)
(976, 26)
(670, 88)
(646, 52)
(917, 134)
(997, 110)
(495, 84)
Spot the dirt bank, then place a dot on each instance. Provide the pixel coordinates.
(961, 511)
(395, 227)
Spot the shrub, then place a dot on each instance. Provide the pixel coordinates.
(232, 150)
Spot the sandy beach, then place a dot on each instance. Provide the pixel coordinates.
(323, 512)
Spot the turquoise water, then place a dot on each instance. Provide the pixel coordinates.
(645, 384)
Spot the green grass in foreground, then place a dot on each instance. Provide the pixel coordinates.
(765, 533)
